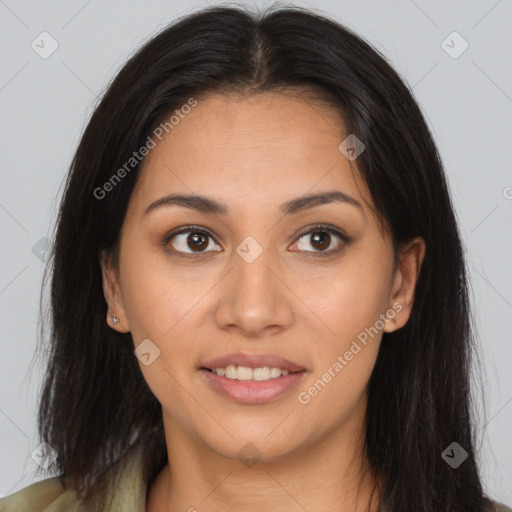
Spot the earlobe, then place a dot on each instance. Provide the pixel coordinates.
(411, 257)
(115, 316)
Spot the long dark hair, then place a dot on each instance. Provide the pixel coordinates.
(95, 405)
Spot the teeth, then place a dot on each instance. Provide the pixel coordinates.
(262, 373)
(245, 373)
(231, 372)
(275, 372)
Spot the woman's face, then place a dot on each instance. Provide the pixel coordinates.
(255, 277)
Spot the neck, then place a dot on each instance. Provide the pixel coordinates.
(329, 474)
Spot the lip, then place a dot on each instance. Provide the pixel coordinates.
(253, 361)
(252, 392)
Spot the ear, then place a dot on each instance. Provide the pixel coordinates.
(112, 293)
(410, 259)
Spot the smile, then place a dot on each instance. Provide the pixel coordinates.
(249, 390)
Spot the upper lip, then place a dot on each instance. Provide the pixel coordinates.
(253, 361)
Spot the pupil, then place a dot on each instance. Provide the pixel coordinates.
(323, 238)
(196, 241)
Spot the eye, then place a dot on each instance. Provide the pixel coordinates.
(323, 240)
(190, 240)
(193, 241)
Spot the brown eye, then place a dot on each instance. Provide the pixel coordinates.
(197, 241)
(322, 240)
(190, 240)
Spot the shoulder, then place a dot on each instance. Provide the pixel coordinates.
(36, 497)
(124, 483)
(499, 507)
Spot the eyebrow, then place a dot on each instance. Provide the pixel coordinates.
(209, 205)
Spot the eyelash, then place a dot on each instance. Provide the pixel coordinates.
(316, 228)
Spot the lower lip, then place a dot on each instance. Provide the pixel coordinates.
(253, 391)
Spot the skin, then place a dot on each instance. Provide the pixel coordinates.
(254, 153)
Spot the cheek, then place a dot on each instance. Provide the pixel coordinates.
(350, 296)
(346, 353)
(350, 301)
(157, 293)
(159, 304)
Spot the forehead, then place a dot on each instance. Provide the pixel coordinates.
(261, 148)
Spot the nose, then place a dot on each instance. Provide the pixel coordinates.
(255, 299)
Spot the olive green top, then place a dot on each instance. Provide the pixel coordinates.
(129, 495)
(48, 495)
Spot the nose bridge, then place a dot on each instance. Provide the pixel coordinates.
(255, 298)
(252, 266)
(254, 281)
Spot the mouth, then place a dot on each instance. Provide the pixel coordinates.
(251, 378)
(246, 373)
(251, 361)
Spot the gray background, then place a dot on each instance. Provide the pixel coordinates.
(46, 102)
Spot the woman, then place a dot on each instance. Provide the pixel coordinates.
(259, 296)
